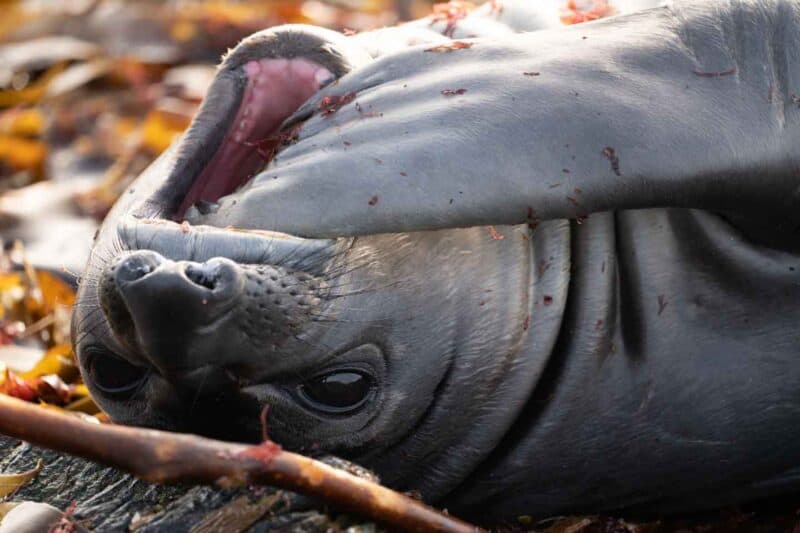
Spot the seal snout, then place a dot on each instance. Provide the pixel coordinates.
(145, 279)
(168, 309)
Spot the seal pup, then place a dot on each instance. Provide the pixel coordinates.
(643, 357)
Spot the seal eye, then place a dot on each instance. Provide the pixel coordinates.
(113, 375)
(336, 392)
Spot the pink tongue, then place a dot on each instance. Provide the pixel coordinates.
(275, 89)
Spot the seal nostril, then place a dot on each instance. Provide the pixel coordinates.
(201, 277)
(136, 266)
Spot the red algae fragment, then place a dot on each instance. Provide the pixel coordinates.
(611, 154)
(449, 47)
(67, 523)
(264, 452)
(531, 218)
(373, 200)
(544, 266)
(662, 303)
(495, 235)
(453, 92)
(575, 14)
(267, 148)
(331, 104)
(531, 74)
(268, 449)
(450, 13)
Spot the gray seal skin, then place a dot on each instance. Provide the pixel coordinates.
(623, 337)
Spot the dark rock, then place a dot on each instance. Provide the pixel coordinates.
(109, 500)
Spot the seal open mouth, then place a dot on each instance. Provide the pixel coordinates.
(260, 84)
(274, 89)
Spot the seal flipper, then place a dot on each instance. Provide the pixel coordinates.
(665, 108)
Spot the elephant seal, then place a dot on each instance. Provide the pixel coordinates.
(643, 358)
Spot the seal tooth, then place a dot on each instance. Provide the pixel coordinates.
(323, 77)
(252, 68)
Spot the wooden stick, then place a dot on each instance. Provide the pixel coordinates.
(162, 457)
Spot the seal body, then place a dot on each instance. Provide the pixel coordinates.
(676, 330)
(622, 337)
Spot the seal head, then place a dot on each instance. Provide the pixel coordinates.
(199, 328)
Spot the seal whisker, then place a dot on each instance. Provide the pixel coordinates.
(374, 288)
(331, 321)
(198, 393)
(281, 262)
(312, 344)
(84, 319)
(102, 259)
(344, 272)
(86, 328)
(85, 305)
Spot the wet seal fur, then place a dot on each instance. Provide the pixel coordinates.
(644, 357)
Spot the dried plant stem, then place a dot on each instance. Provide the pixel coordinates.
(161, 457)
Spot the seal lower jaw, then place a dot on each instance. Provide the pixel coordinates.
(243, 119)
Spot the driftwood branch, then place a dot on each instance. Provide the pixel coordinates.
(162, 457)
